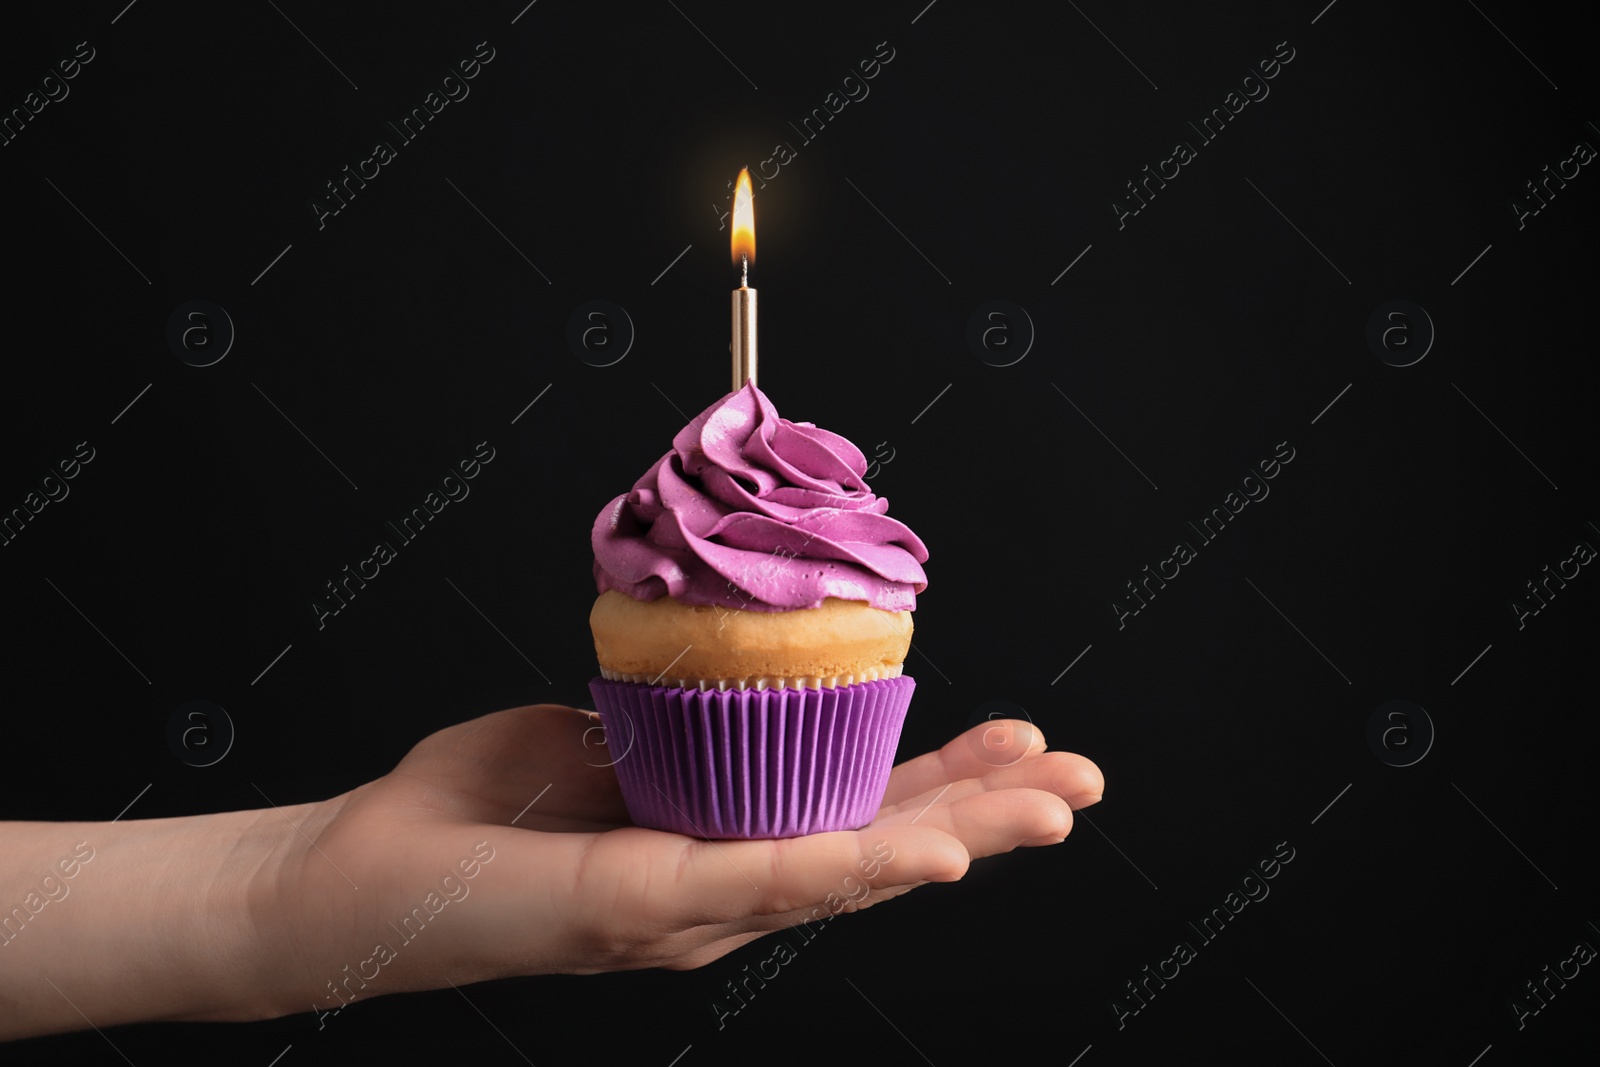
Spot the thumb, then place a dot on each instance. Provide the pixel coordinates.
(755, 882)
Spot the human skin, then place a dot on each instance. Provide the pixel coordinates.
(251, 915)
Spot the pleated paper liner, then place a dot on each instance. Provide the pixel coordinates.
(752, 763)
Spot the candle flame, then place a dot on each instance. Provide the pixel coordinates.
(744, 221)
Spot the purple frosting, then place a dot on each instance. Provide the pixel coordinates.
(750, 510)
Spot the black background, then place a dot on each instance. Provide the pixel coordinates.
(1227, 714)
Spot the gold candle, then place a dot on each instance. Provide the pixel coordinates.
(743, 246)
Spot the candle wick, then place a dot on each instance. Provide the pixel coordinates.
(744, 274)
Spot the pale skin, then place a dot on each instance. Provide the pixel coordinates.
(256, 914)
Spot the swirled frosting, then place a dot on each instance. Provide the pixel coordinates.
(752, 511)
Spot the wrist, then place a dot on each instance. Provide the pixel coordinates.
(232, 922)
(153, 922)
(278, 937)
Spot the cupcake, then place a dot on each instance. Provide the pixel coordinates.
(753, 618)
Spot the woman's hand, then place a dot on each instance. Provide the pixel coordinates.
(497, 847)
(560, 882)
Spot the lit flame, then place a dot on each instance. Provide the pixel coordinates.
(744, 221)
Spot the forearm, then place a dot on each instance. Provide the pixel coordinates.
(108, 923)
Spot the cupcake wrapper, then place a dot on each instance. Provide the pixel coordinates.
(752, 763)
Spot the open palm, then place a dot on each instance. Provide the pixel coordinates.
(502, 846)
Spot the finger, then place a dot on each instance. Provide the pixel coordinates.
(989, 823)
(1066, 774)
(802, 924)
(985, 747)
(730, 881)
(864, 899)
(701, 955)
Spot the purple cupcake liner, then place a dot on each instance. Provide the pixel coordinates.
(753, 764)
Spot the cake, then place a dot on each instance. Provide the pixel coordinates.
(751, 625)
